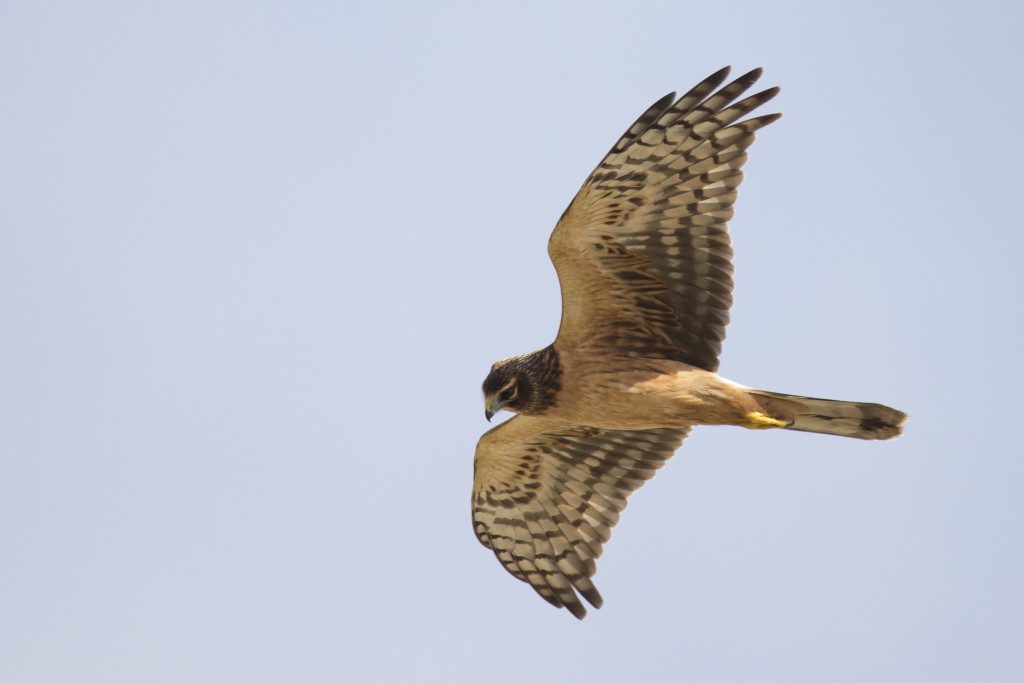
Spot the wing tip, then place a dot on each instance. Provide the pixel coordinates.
(576, 609)
(714, 80)
(751, 75)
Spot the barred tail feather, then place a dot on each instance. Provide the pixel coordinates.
(825, 416)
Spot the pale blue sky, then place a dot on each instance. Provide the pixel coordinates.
(256, 259)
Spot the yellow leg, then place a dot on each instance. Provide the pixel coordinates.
(762, 421)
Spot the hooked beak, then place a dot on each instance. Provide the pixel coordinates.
(490, 409)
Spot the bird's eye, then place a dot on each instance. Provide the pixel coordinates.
(507, 394)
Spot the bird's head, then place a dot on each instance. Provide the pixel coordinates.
(506, 387)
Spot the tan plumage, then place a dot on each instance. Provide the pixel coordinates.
(548, 502)
(643, 257)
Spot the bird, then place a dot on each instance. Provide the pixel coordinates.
(644, 262)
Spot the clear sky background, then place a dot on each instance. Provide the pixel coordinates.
(256, 259)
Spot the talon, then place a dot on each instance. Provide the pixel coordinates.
(762, 421)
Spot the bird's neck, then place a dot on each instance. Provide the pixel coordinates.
(544, 372)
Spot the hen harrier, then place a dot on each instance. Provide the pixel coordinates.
(644, 263)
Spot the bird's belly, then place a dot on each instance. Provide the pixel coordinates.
(655, 394)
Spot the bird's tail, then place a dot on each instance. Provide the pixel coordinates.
(825, 416)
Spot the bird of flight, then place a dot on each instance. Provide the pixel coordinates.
(645, 266)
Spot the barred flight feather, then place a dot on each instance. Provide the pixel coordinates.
(549, 535)
(645, 246)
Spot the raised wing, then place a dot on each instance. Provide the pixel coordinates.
(546, 496)
(643, 252)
